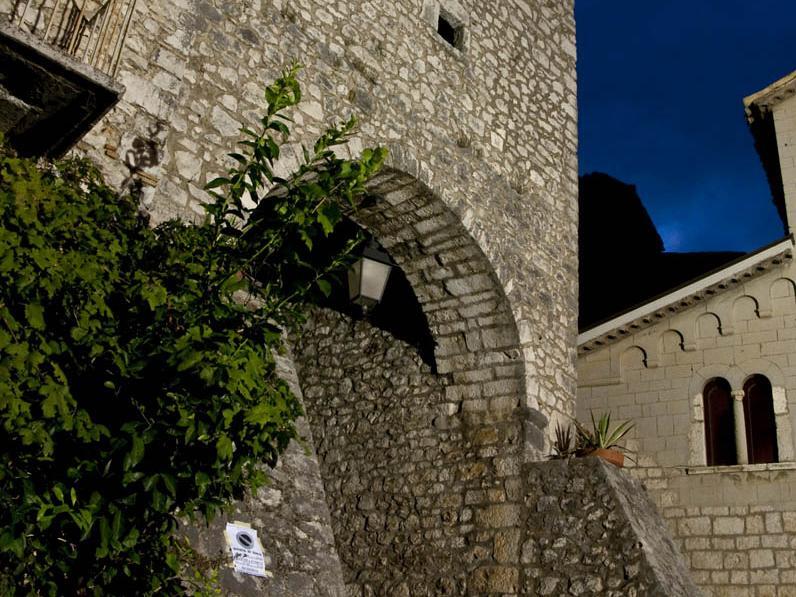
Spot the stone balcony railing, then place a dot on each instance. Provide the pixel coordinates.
(91, 31)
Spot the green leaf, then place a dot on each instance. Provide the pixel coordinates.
(173, 562)
(132, 477)
(220, 181)
(202, 481)
(105, 535)
(324, 286)
(137, 450)
(78, 333)
(34, 313)
(155, 295)
(224, 447)
(8, 542)
(326, 223)
(171, 486)
(192, 358)
(150, 481)
(116, 526)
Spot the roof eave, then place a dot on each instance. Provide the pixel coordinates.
(767, 98)
(685, 297)
(759, 114)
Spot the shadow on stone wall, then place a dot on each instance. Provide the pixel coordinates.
(389, 463)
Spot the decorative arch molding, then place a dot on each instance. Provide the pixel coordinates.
(786, 284)
(670, 341)
(708, 321)
(724, 312)
(765, 307)
(745, 307)
(632, 358)
(763, 367)
(684, 324)
(782, 295)
(704, 374)
(523, 294)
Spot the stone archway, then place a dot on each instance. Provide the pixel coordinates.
(421, 470)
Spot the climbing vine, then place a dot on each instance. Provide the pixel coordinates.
(137, 373)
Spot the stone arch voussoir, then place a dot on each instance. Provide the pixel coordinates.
(467, 311)
(420, 468)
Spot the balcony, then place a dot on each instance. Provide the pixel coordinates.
(58, 61)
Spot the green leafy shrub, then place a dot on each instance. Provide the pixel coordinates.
(137, 376)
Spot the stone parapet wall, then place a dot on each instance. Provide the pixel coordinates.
(426, 502)
(735, 526)
(592, 530)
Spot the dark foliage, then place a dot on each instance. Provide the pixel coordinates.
(137, 376)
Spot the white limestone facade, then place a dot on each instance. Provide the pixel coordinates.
(736, 525)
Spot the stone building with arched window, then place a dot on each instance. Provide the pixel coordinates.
(707, 370)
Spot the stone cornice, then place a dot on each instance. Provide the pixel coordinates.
(766, 98)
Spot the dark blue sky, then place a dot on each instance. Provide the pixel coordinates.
(661, 86)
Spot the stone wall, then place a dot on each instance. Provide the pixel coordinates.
(427, 501)
(735, 525)
(729, 521)
(592, 530)
(413, 486)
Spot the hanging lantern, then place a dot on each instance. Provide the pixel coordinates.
(368, 277)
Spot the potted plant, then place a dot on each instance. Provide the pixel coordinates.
(602, 440)
(563, 446)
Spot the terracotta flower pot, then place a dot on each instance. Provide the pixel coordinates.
(615, 457)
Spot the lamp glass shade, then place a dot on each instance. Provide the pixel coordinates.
(367, 280)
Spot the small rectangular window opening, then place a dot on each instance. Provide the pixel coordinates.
(449, 32)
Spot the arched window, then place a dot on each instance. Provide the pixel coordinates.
(761, 428)
(719, 423)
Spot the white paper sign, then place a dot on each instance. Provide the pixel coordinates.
(247, 551)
